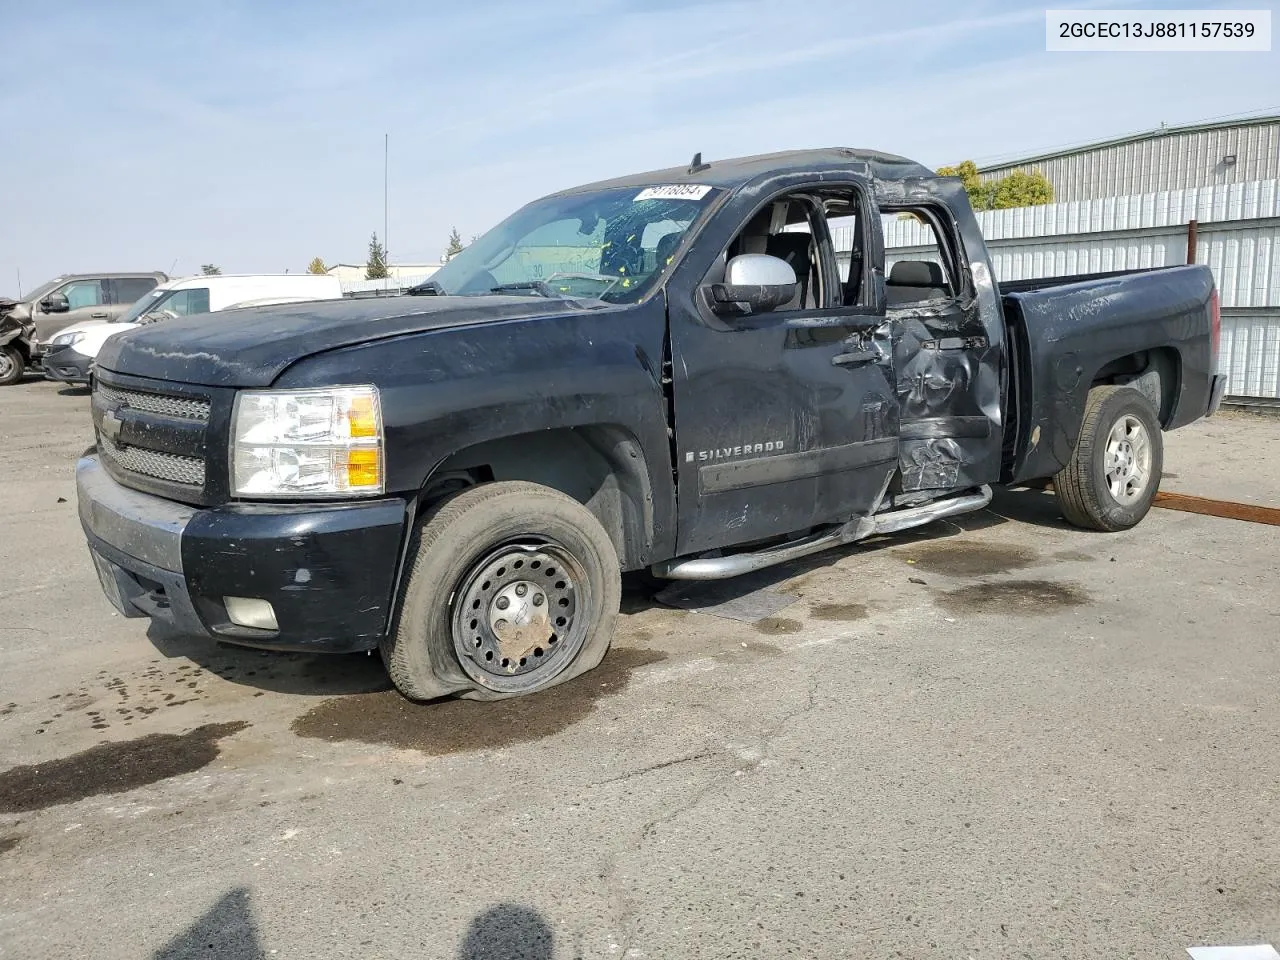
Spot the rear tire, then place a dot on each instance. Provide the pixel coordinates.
(1115, 469)
(12, 365)
(512, 588)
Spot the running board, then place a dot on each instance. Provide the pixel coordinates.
(860, 528)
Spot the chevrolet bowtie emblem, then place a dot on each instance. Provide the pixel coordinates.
(110, 425)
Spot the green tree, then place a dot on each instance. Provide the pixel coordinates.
(1021, 189)
(209, 270)
(317, 266)
(1016, 189)
(376, 268)
(979, 192)
(455, 246)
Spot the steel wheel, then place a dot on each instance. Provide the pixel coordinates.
(1127, 460)
(515, 623)
(479, 561)
(1114, 472)
(11, 366)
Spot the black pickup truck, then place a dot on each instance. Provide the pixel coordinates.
(679, 372)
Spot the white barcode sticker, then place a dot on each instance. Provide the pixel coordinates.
(674, 191)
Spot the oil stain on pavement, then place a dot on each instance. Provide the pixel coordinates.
(1013, 597)
(455, 726)
(111, 768)
(968, 559)
(838, 612)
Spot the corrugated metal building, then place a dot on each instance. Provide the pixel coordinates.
(1169, 158)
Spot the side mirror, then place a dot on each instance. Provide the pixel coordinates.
(753, 283)
(55, 303)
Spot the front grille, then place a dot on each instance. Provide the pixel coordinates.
(186, 408)
(153, 463)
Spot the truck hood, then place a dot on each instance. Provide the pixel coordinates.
(253, 346)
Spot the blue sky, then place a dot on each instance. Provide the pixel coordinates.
(250, 134)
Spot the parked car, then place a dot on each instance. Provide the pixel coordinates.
(666, 372)
(71, 352)
(15, 343)
(63, 301)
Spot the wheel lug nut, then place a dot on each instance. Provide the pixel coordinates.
(538, 599)
(500, 625)
(521, 589)
(503, 603)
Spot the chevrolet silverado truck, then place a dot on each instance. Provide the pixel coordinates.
(695, 372)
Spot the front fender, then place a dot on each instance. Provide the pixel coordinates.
(449, 390)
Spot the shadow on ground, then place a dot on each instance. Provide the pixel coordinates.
(227, 929)
(327, 675)
(1033, 506)
(508, 932)
(308, 674)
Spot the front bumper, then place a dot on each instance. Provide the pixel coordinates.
(66, 365)
(328, 570)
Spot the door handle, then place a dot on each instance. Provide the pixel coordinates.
(99, 316)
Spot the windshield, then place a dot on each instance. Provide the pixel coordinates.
(177, 303)
(609, 245)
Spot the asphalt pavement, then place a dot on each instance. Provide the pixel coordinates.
(998, 737)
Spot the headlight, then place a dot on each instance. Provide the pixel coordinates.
(307, 443)
(66, 339)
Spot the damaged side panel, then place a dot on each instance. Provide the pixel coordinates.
(949, 350)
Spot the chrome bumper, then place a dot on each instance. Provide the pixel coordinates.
(135, 523)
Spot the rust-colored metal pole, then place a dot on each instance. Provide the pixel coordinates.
(1192, 229)
(1249, 512)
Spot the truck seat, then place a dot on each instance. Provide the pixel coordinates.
(913, 280)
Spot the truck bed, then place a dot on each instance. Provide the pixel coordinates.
(1067, 333)
(1046, 283)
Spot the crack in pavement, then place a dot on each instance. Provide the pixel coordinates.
(609, 875)
(690, 758)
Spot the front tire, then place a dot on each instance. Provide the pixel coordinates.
(512, 588)
(1115, 469)
(12, 365)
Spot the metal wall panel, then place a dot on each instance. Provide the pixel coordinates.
(1245, 264)
(1238, 234)
(1251, 353)
(1171, 161)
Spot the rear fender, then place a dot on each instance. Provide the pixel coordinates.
(1147, 330)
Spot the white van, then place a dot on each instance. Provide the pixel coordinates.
(71, 353)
